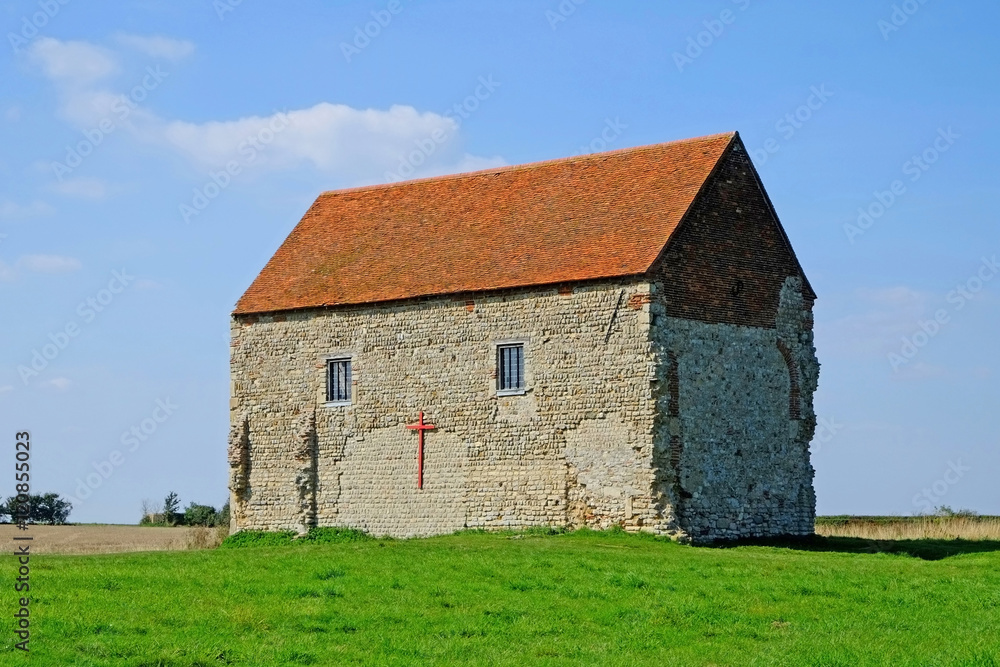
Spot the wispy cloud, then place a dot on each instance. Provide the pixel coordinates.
(347, 144)
(75, 64)
(885, 315)
(83, 188)
(48, 264)
(333, 138)
(156, 46)
(60, 383)
(7, 273)
(13, 211)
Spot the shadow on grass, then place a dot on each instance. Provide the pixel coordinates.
(925, 549)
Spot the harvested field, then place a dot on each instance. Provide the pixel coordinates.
(103, 539)
(107, 538)
(910, 528)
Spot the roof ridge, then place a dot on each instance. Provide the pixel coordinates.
(525, 165)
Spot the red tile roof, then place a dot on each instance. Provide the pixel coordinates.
(580, 218)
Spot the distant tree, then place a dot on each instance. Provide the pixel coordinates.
(50, 508)
(171, 505)
(223, 518)
(200, 515)
(46, 508)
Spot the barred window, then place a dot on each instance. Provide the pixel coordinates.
(338, 380)
(510, 367)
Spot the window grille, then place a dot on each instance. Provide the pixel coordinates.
(338, 380)
(510, 367)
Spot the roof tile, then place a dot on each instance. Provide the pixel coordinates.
(580, 218)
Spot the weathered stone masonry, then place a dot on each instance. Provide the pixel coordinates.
(557, 454)
(677, 402)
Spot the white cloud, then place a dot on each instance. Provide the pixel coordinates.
(73, 64)
(60, 383)
(348, 145)
(76, 69)
(12, 114)
(85, 188)
(13, 211)
(6, 389)
(334, 138)
(7, 273)
(156, 46)
(48, 263)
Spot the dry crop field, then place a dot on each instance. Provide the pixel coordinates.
(911, 528)
(109, 538)
(105, 539)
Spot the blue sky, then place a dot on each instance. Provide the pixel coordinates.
(154, 154)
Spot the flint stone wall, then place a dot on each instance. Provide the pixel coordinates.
(576, 448)
(590, 443)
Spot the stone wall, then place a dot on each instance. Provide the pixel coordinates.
(740, 464)
(576, 448)
(732, 333)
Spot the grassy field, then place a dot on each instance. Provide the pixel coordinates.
(578, 599)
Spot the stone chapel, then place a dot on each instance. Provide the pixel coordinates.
(618, 339)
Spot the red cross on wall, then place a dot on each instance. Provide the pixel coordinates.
(420, 427)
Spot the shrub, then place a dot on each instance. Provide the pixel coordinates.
(264, 538)
(258, 538)
(949, 513)
(333, 535)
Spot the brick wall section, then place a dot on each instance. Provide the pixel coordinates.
(727, 261)
(732, 331)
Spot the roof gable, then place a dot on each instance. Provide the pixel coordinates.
(597, 216)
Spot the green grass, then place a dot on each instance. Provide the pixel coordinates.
(580, 598)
